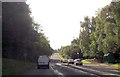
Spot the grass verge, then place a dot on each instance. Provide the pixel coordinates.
(13, 67)
(116, 66)
(86, 62)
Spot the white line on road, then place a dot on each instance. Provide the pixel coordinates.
(58, 64)
(73, 68)
(115, 71)
(100, 72)
(56, 71)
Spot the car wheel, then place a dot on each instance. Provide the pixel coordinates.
(48, 67)
(38, 67)
(81, 64)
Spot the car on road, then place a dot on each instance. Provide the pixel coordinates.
(70, 61)
(78, 62)
(43, 61)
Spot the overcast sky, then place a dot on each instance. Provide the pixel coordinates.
(60, 19)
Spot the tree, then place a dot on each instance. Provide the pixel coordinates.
(22, 36)
(101, 33)
(84, 36)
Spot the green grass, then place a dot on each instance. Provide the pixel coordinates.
(13, 67)
(117, 66)
(86, 62)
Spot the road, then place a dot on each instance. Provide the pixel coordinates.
(58, 69)
(63, 69)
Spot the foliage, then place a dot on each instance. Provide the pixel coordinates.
(23, 38)
(71, 51)
(99, 34)
(84, 35)
(102, 31)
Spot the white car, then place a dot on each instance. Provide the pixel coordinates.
(78, 62)
(70, 61)
(43, 61)
(64, 61)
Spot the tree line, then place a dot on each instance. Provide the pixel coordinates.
(22, 37)
(99, 35)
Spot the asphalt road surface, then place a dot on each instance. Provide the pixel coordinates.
(58, 69)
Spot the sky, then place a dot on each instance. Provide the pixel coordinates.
(60, 19)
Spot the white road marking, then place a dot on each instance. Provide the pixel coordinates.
(73, 69)
(58, 64)
(115, 71)
(102, 73)
(56, 71)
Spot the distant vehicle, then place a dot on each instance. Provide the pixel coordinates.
(78, 62)
(64, 61)
(70, 61)
(43, 61)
